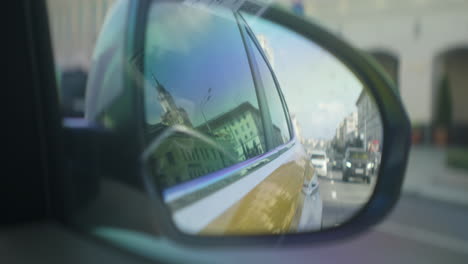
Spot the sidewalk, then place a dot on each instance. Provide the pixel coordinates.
(428, 175)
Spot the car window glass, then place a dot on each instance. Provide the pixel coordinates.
(275, 106)
(314, 156)
(358, 155)
(197, 77)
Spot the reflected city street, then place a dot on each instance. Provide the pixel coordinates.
(339, 125)
(340, 200)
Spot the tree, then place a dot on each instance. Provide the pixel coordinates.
(444, 104)
(355, 143)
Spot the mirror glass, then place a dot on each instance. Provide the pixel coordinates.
(251, 128)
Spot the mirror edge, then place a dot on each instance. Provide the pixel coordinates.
(396, 143)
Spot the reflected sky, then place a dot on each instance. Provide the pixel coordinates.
(196, 55)
(319, 89)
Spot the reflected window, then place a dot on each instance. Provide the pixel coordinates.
(278, 116)
(197, 76)
(318, 156)
(358, 155)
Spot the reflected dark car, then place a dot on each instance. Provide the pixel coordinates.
(356, 164)
(337, 162)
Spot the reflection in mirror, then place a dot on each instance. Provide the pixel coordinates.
(251, 128)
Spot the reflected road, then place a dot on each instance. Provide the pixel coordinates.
(342, 199)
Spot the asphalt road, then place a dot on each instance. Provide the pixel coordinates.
(341, 200)
(418, 230)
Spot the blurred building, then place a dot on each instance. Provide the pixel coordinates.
(337, 138)
(181, 157)
(347, 130)
(351, 127)
(418, 42)
(297, 128)
(75, 26)
(235, 136)
(173, 115)
(241, 126)
(369, 126)
(340, 134)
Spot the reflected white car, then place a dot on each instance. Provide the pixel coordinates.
(319, 161)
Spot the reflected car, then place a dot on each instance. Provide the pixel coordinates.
(220, 145)
(319, 161)
(356, 164)
(337, 161)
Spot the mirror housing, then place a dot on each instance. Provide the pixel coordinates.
(394, 156)
(394, 120)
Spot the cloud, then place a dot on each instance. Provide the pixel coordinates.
(335, 108)
(321, 121)
(174, 27)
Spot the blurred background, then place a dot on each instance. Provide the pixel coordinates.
(423, 45)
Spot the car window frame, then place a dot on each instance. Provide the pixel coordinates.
(284, 105)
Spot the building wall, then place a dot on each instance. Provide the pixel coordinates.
(342, 133)
(75, 26)
(415, 31)
(369, 123)
(351, 126)
(181, 158)
(243, 129)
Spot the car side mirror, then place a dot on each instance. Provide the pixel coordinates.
(223, 107)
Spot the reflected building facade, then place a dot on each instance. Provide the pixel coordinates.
(347, 130)
(416, 69)
(173, 115)
(369, 123)
(235, 135)
(351, 127)
(181, 157)
(242, 127)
